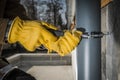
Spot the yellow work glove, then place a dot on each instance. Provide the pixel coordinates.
(33, 34)
(66, 43)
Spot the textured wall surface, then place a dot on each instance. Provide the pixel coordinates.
(52, 11)
(111, 42)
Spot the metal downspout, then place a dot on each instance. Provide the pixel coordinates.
(88, 13)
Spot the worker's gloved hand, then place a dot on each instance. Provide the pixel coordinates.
(33, 34)
(30, 34)
(66, 43)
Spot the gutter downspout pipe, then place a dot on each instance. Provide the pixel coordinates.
(88, 17)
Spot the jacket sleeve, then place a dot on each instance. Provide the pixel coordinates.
(2, 7)
(14, 8)
(3, 26)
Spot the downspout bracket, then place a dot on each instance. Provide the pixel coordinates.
(94, 34)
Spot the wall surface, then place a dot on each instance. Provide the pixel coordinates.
(111, 43)
(51, 11)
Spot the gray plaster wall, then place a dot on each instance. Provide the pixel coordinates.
(110, 20)
(51, 11)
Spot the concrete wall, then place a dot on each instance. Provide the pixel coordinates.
(103, 29)
(111, 43)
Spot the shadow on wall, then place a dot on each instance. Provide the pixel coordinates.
(114, 18)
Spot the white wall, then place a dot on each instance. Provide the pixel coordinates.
(74, 63)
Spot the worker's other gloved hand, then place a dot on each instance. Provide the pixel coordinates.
(30, 34)
(33, 34)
